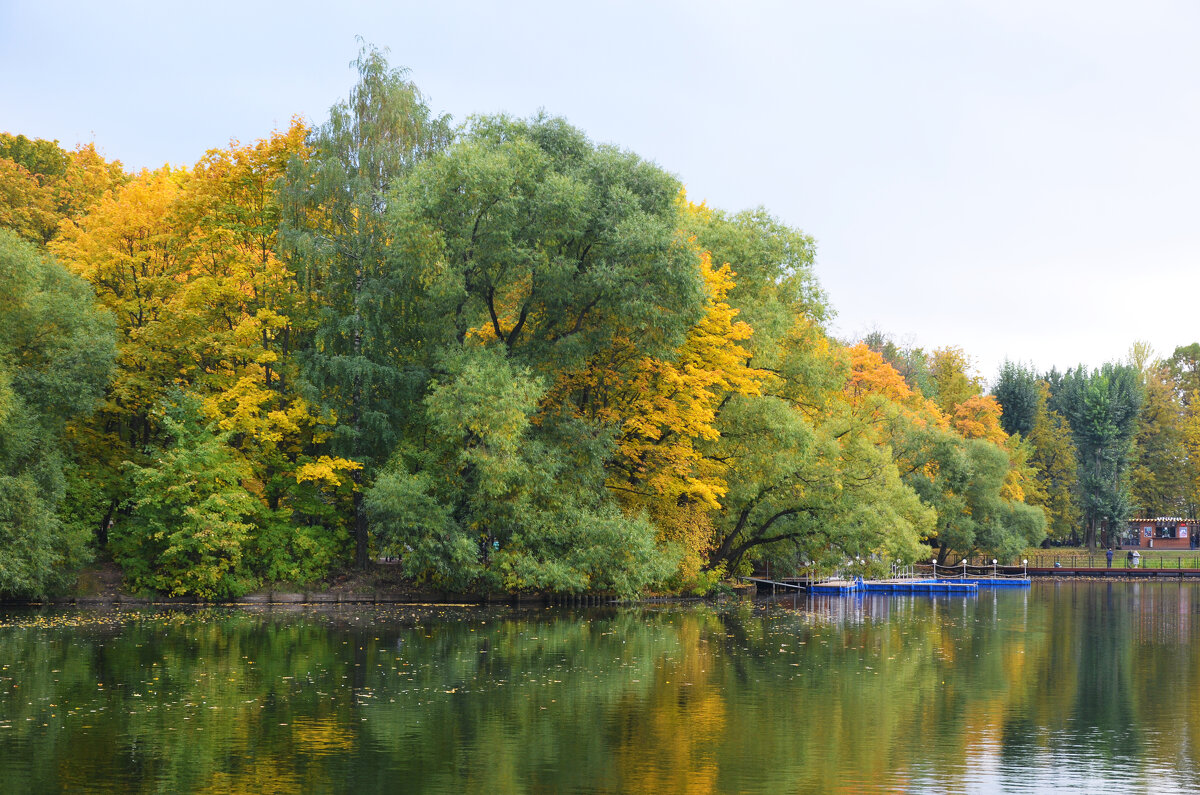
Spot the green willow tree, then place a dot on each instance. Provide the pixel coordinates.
(808, 476)
(56, 354)
(334, 236)
(963, 479)
(527, 251)
(489, 501)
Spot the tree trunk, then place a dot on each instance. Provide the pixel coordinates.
(105, 522)
(362, 554)
(361, 549)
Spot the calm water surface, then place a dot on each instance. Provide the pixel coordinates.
(1067, 686)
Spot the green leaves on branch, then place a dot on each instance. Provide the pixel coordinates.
(493, 500)
(195, 528)
(56, 352)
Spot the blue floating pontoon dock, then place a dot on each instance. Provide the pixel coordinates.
(963, 583)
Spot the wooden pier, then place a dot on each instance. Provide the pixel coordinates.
(787, 583)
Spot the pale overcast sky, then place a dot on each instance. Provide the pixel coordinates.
(1018, 178)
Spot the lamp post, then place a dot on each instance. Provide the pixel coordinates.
(933, 563)
(993, 568)
(1025, 567)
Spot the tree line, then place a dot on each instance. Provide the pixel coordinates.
(504, 355)
(1116, 442)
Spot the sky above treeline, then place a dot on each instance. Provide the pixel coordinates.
(1018, 178)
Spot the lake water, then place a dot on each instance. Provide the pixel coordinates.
(1065, 686)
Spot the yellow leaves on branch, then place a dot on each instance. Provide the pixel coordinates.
(35, 204)
(326, 470)
(26, 206)
(978, 417)
(870, 375)
(127, 246)
(876, 390)
(244, 408)
(711, 356)
(666, 407)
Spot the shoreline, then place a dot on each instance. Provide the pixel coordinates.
(383, 597)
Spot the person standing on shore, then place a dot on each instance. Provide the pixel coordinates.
(1108, 555)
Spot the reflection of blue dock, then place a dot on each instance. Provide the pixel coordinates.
(920, 586)
(834, 586)
(990, 582)
(906, 585)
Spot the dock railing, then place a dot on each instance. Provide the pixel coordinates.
(904, 571)
(989, 568)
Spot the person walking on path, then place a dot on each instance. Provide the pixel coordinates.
(1109, 556)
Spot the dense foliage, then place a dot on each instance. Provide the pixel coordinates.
(508, 358)
(56, 351)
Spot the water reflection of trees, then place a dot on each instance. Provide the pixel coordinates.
(838, 693)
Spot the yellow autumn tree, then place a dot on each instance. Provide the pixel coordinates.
(665, 410)
(951, 370)
(880, 394)
(26, 206)
(129, 249)
(670, 406)
(185, 260)
(41, 184)
(246, 309)
(978, 417)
